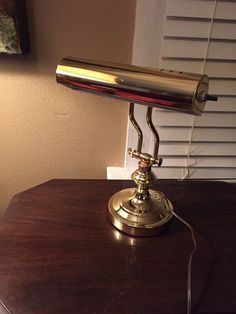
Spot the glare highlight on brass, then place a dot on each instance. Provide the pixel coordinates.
(86, 74)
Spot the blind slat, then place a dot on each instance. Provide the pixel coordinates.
(213, 68)
(225, 10)
(201, 9)
(199, 134)
(222, 87)
(189, 8)
(205, 149)
(199, 29)
(222, 104)
(165, 118)
(197, 49)
(204, 162)
(200, 173)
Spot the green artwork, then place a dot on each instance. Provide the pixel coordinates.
(8, 36)
(13, 28)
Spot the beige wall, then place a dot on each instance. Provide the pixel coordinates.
(46, 130)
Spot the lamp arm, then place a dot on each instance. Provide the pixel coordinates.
(154, 132)
(136, 126)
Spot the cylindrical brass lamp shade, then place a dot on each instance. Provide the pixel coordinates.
(179, 91)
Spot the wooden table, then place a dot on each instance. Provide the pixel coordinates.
(59, 253)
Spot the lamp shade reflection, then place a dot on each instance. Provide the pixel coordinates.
(178, 91)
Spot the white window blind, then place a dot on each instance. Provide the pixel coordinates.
(197, 36)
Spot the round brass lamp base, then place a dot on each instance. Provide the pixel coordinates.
(140, 217)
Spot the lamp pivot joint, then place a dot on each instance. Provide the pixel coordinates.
(144, 157)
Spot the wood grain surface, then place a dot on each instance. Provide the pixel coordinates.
(60, 254)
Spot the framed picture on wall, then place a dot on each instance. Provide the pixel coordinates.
(13, 27)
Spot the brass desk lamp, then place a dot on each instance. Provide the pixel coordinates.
(139, 211)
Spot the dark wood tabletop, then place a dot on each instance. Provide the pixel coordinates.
(60, 254)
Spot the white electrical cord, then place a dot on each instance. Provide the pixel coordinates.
(186, 174)
(6, 311)
(189, 279)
